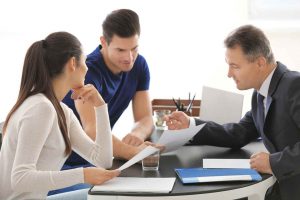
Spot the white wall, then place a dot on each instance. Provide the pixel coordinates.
(178, 38)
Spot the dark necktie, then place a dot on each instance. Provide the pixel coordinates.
(260, 111)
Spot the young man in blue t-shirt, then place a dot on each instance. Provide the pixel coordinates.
(120, 75)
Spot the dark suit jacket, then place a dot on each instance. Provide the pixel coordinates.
(280, 134)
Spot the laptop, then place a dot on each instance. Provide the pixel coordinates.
(220, 106)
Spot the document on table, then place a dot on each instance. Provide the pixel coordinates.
(173, 139)
(136, 184)
(140, 156)
(226, 163)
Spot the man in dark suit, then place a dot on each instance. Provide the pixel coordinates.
(274, 114)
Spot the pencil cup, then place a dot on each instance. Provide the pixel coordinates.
(159, 116)
(151, 163)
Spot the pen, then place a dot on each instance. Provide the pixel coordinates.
(177, 106)
(191, 103)
(181, 107)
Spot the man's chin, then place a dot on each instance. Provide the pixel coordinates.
(127, 68)
(239, 87)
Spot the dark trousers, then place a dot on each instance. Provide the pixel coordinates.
(273, 193)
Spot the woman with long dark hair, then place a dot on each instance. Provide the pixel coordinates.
(40, 131)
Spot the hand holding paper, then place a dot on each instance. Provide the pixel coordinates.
(171, 139)
(143, 154)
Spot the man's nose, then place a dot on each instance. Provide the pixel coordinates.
(229, 74)
(129, 56)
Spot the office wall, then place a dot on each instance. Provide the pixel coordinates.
(178, 38)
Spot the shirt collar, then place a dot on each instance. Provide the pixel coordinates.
(263, 90)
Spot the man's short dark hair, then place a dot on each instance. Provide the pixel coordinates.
(253, 42)
(123, 22)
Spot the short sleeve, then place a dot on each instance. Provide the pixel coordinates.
(92, 78)
(143, 75)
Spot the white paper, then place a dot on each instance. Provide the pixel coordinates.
(227, 111)
(226, 163)
(136, 184)
(141, 155)
(173, 139)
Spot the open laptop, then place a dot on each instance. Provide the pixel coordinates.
(220, 106)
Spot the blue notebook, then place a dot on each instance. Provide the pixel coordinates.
(203, 175)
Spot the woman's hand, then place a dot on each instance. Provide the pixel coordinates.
(88, 93)
(97, 176)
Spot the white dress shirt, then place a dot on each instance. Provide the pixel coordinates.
(264, 89)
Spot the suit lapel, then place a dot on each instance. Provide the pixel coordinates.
(278, 74)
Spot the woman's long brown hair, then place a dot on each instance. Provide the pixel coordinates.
(44, 61)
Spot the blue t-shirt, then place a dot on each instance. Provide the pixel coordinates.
(117, 90)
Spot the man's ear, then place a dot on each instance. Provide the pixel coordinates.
(262, 62)
(71, 64)
(103, 41)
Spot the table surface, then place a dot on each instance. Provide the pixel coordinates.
(189, 157)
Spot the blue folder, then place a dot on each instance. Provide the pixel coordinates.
(203, 175)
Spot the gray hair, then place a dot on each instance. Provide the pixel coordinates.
(253, 42)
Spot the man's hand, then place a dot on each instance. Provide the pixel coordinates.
(158, 146)
(147, 143)
(177, 120)
(261, 162)
(137, 149)
(132, 139)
